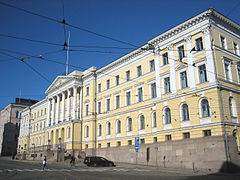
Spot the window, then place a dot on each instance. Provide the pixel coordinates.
(238, 71)
(127, 75)
(167, 85)
(117, 80)
(118, 126)
(139, 71)
(183, 79)
(40, 125)
(235, 48)
(119, 143)
(99, 87)
(205, 108)
(87, 109)
(99, 107)
(227, 70)
(99, 146)
(129, 142)
(223, 42)
(155, 139)
(129, 124)
(45, 111)
(86, 146)
(152, 65)
(232, 108)
(108, 128)
(181, 53)
(207, 133)
(142, 141)
(117, 101)
(140, 94)
(87, 91)
(153, 90)
(68, 132)
(128, 98)
(202, 73)
(86, 131)
(99, 130)
(168, 137)
(142, 122)
(154, 120)
(167, 115)
(17, 113)
(165, 58)
(186, 135)
(185, 112)
(108, 104)
(199, 44)
(108, 84)
(108, 145)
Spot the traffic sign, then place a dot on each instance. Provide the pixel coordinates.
(156, 148)
(136, 144)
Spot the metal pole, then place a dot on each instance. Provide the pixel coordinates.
(67, 53)
(95, 113)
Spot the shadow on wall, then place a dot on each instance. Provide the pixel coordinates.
(229, 167)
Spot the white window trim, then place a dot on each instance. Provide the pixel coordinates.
(163, 85)
(115, 100)
(150, 89)
(154, 129)
(98, 107)
(204, 120)
(149, 62)
(117, 133)
(225, 41)
(179, 79)
(126, 97)
(86, 90)
(106, 110)
(107, 133)
(238, 74)
(185, 52)
(197, 66)
(137, 71)
(141, 131)
(137, 93)
(229, 62)
(87, 104)
(195, 44)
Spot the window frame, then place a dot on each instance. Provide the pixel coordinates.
(165, 59)
(152, 65)
(139, 71)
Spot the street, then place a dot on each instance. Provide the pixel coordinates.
(16, 170)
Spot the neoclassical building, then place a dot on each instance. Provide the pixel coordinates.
(179, 94)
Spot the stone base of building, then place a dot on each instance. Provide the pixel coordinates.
(208, 153)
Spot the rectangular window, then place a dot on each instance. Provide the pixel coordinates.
(227, 70)
(223, 42)
(238, 72)
(87, 91)
(168, 137)
(127, 75)
(86, 146)
(207, 133)
(108, 104)
(129, 142)
(117, 101)
(152, 65)
(202, 73)
(108, 84)
(183, 78)
(142, 141)
(87, 109)
(155, 139)
(128, 98)
(117, 80)
(165, 58)
(153, 90)
(99, 107)
(140, 94)
(181, 53)
(199, 44)
(139, 71)
(99, 146)
(108, 145)
(99, 87)
(119, 143)
(186, 135)
(235, 48)
(167, 85)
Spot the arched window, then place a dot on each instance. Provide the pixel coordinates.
(205, 108)
(167, 114)
(129, 124)
(99, 130)
(86, 131)
(118, 126)
(108, 128)
(68, 132)
(142, 122)
(185, 112)
(154, 120)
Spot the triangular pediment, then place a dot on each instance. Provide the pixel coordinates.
(181, 66)
(57, 83)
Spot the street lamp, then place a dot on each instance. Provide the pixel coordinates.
(33, 150)
(59, 146)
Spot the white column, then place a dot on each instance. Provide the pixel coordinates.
(57, 110)
(74, 110)
(210, 65)
(157, 74)
(68, 105)
(80, 103)
(191, 73)
(53, 111)
(63, 107)
(49, 112)
(173, 80)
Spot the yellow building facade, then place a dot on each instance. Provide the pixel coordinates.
(178, 91)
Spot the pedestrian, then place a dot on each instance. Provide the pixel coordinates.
(44, 162)
(72, 162)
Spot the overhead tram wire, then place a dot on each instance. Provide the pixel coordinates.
(70, 25)
(64, 26)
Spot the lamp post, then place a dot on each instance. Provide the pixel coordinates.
(59, 146)
(33, 151)
(48, 146)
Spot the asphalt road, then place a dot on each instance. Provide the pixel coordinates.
(20, 170)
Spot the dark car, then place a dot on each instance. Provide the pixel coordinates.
(97, 161)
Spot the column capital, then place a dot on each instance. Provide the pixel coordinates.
(206, 30)
(188, 39)
(170, 47)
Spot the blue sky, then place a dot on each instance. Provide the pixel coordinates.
(131, 21)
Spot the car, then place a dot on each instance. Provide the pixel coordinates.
(97, 161)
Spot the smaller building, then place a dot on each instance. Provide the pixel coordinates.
(9, 125)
